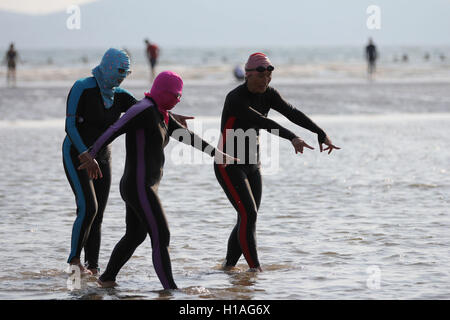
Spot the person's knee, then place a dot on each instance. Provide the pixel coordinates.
(136, 236)
(251, 213)
(97, 223)
(91, 209)
(251, 219)
(141, 237)
(164, 237)
(98, 218)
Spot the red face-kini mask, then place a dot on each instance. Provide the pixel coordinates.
(166, 92)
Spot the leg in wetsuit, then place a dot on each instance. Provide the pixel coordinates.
(102, 187)
(144, 214)
(91, 198)
(243, 186)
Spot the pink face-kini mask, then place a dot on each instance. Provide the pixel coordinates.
(166, 91)
(256, 60)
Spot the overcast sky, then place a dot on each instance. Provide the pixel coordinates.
(36, 7)
(225, 22)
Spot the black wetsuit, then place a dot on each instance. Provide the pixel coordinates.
(242, 182)
(371, 55)
(86, 119)
(11, 56)
(146, 136)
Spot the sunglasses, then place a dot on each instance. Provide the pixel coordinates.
(262, 69)
(123, 71)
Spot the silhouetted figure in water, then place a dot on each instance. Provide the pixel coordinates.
(152, 51)
(371, 57)
(11, 58)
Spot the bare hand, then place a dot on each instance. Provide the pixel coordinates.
(329, 144)
(223, 158)
(182, 119)
(299, 144)
(90, 164)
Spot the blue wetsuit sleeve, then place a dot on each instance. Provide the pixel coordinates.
(183, 134)
(295, 115)
(136, 117)
(73, 102)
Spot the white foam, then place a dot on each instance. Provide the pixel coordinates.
(221, 74)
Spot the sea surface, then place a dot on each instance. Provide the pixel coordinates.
(369, 221)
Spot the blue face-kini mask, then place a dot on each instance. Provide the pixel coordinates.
(108, 76)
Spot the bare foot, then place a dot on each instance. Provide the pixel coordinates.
(229, 268)
(92, 272)
(76, 262)
(106, 284)
(255, 269)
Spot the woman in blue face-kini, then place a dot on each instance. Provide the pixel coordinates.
(93, 104)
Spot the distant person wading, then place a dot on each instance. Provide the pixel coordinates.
(371, 57)
(11, 58)
(152, 51)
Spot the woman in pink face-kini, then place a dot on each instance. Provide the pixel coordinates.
(148, 126)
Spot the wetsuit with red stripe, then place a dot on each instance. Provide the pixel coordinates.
(245, 113)
(146, 136)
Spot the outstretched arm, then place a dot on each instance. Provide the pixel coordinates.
(266, 123)
(251, 115)
(295, 116)
(183, 134)
(181, 119)
(302, 120)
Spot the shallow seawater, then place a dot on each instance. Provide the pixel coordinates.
(369, 221)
